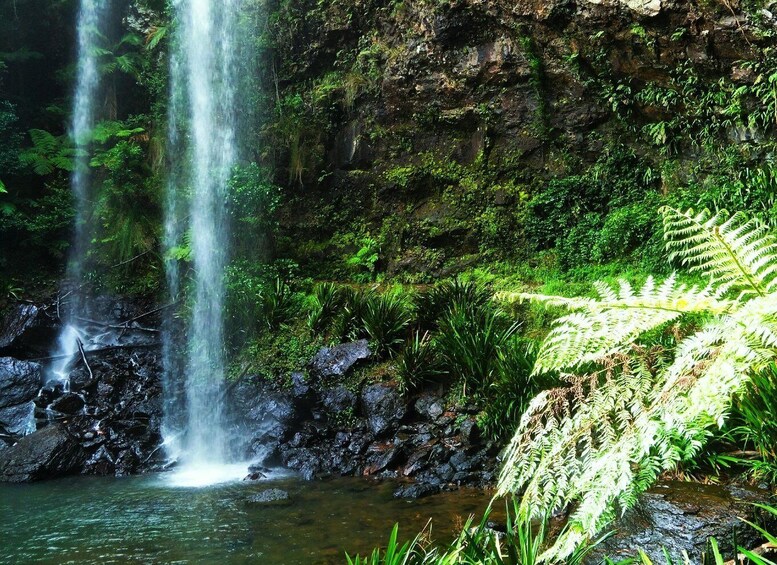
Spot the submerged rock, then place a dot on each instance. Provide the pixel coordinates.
(45, 454)
(417, 490)
(682, 516)
(337, 361)
(271, 497)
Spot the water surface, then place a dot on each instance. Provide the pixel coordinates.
(87, 520)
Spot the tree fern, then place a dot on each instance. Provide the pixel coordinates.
(593, 446)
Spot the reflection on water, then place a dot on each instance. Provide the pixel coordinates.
(144, 520)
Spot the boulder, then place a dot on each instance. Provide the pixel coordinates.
(338, 399)
(336, 361)
(266, 416)
(27, 331)
(429, 407)
(383, 407)
(20, 381)
(45, 454)
(682, 516)
(68, 403)
(18, 420)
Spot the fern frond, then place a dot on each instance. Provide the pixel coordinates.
(596, 444)
(736, 252)
(599, 328)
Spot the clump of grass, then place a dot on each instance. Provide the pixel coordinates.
(470, 341)
(278, 305)
(436, 303)
(418, 363)
(386, 319)
(323, 306)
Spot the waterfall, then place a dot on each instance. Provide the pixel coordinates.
(203, 149)
(92, 20)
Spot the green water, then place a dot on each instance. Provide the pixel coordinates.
(144, 520)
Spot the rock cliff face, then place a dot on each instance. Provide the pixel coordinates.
(428, 124)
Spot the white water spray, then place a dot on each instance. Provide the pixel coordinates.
(202, 136)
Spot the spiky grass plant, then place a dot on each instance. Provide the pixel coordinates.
(324, 303)
(592, 447)
(418, 363)
(386, 318)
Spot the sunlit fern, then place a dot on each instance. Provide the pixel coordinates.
(592, 447)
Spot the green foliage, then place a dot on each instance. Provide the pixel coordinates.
(418, 363)
(48, 153)
(509, 393)
(471, 341)
(258, 298)
(386, 318)
(365, 260)
(277, 305)
(434, 304)
(349, 325)
(323, 306)
(126, 200)
(755, 409)
(253, 199)
(598, 443)
(477, 544)
(607, 213)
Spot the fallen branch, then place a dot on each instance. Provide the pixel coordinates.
(80, 345)
(104, 350)
(135, 258)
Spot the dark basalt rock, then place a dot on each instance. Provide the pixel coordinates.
(48, 453)
(271, 497)
(429, 406)
(27, 331)
(19, 381)
(417, 490)
(68, 403)
(682, 516)
(338, 399)
(18, 420)
(336, 361)
(266, 415)
(383, 407)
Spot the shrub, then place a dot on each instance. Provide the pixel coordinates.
(277, 305)
(349, 324)
(756, 410)
(511, 389)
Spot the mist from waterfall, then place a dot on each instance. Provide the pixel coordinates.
(203, 149)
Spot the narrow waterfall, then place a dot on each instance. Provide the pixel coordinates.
(92, 19)
(203, 141)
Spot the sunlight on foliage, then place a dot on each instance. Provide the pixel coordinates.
(596, 444)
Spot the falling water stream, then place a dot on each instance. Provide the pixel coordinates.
(92, 20)
(203, 141)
